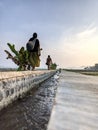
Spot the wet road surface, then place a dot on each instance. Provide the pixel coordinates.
(31, 112)
(76, 103)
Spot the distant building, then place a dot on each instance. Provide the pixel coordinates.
(95, 67)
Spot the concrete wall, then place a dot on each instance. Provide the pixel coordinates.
(15, 84)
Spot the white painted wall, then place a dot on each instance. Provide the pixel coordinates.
(13, 84)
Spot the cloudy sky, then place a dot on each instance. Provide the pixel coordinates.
(67, 29)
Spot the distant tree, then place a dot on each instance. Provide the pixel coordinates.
(20, 57)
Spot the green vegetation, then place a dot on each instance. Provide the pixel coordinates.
(90, 73)
(53, 66)
(86, 72)
(20, 57)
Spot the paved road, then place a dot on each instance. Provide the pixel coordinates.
(76, 103)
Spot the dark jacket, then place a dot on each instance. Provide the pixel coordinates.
(37, 45)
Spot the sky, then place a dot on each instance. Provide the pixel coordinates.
(67, 30)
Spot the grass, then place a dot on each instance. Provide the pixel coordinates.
(90, 73)
(86, 72)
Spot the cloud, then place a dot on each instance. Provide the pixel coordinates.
(87, 32)
(78, 49)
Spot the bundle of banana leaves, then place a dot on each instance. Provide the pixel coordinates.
(20, 57)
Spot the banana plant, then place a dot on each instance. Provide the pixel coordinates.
(20, 57)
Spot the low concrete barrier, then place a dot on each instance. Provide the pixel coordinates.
(15, 84)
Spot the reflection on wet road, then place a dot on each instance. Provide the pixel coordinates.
(31, 112)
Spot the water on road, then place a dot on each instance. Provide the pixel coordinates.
(31, 112)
